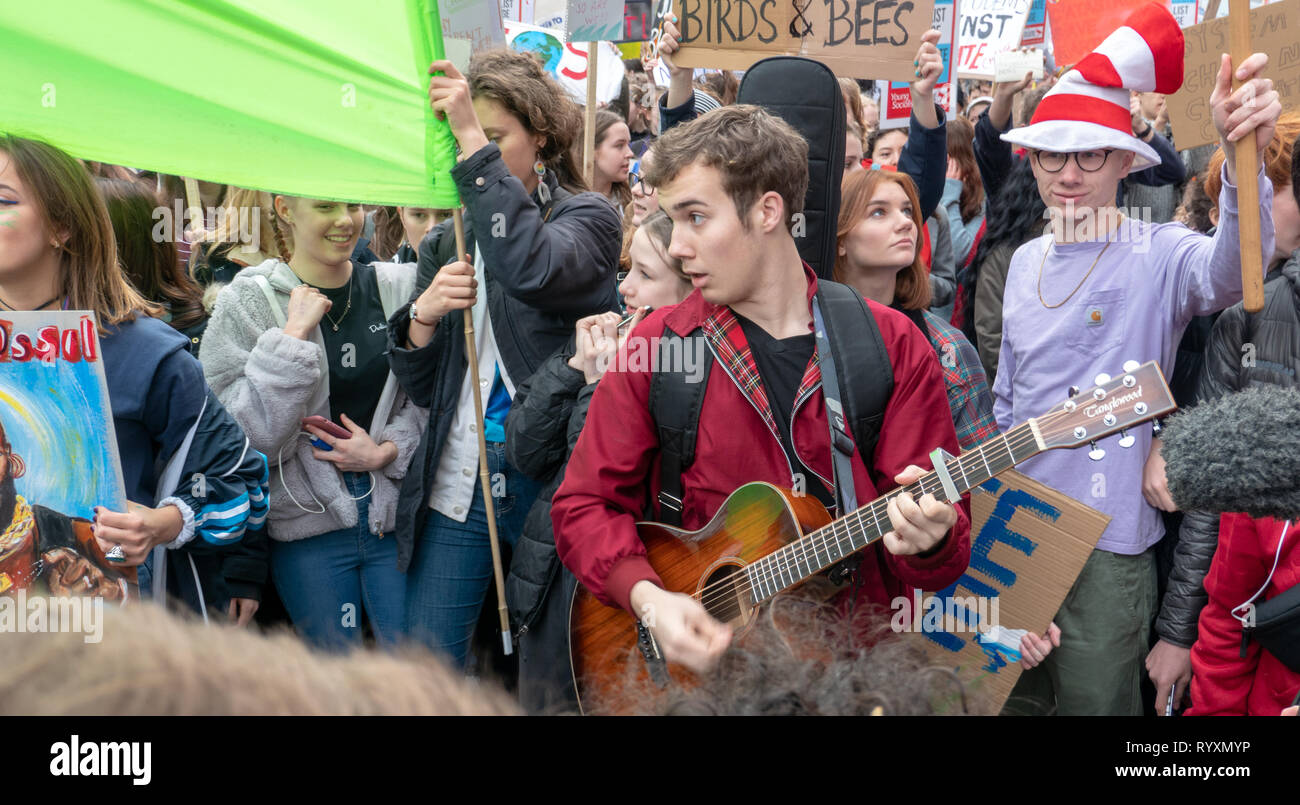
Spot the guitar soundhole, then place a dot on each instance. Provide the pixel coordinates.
(725, 595)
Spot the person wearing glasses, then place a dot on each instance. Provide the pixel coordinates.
(644, 198)
(1098, 291)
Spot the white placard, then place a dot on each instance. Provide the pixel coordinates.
(987, 28)
(1012, 65)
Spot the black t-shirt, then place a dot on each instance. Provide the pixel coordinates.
(356, 350)
(781, 364)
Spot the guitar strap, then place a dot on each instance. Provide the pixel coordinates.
(841, 445)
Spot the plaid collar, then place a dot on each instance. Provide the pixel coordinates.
(727, 340)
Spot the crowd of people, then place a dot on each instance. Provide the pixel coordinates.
(318, 367)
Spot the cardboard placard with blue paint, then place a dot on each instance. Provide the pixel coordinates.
(1028, 545)
(58, 457)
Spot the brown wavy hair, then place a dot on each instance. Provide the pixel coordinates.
(606, 120)
(68, 203)
(151, 262)
(1277, 157)
(518, 82)
(912, 288)
(961, 148)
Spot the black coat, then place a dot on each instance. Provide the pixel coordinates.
(1274, 360)
(542, 428)
(546, 268)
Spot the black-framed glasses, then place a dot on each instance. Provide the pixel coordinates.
(1088, 161)
(635, 177)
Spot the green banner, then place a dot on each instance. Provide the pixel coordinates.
(317, 98)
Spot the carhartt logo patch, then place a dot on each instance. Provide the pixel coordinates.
(1094, 317)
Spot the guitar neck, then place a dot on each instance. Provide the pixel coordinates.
(826, 546)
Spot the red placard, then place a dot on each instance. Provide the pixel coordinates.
(1078, 26)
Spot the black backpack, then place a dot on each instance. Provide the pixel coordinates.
(806, 94)
(866, 382)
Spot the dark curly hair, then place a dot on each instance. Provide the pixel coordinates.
(519, 83)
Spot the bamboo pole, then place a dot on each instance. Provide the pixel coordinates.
(589, 127)
(485, 479)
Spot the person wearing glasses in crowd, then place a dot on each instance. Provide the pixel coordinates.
(644, 198)
(1103, 290)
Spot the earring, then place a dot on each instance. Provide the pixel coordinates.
(543, 192)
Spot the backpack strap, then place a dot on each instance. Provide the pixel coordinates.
(675, 403)
(866, 377)
(269, 292)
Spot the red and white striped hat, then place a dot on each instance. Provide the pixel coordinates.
(1089, 107)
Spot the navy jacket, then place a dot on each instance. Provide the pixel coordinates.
(547, 266)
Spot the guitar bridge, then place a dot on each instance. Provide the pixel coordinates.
(654, 660)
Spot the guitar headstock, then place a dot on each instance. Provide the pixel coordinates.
(1114, 404)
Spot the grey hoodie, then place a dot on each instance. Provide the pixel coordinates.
(269, 381)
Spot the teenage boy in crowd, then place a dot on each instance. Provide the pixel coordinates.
(1098, 291)
(731, 181)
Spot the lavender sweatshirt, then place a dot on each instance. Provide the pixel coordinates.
(1149, 284)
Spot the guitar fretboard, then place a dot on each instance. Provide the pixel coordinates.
(824, 547)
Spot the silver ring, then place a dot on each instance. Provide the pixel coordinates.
(116, 554)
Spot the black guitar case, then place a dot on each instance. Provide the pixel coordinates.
(806, 95)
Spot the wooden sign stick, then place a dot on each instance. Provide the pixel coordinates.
(195, 204)
(485, 479)
(589, 127)
(1252, 269)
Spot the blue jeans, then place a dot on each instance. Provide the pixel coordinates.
(326, 580)
(451, 570)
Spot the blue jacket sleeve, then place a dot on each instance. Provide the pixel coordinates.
(1170, 170)
(992, 155)
(925, 159)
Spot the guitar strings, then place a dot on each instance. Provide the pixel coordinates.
(793, 553)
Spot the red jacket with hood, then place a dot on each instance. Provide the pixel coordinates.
(614, 471)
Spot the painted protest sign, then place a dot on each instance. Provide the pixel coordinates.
(987, 28)
(1187, 12)
(855, 38)
(1078, 26)
(1028, 544)
(516, 10)
(581, 20)
(568, 61)
(472, 20)
(1035, 32)
(1274, 30)
(637, 18)
(895, 98)
(58, 457)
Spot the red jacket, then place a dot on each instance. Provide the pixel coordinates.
(1223, 682)
(614, 470)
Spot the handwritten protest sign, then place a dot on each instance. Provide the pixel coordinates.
(581, 20)
(472, 20)
(1274, 30)
(856, 39)
(1078, 26)
(895, 98)
(1028, 544)
(517, 10)
(1035, 32)
(1187, 12)
(987, 28)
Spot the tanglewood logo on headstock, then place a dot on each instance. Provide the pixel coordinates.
(1102, 408)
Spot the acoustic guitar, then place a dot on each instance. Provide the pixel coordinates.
(764, 540)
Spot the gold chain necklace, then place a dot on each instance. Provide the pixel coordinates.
(1043, 262)
(346, 308)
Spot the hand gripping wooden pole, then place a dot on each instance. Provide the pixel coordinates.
(1247, 164)
(484, 477)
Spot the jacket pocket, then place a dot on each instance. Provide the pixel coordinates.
(1100, 324)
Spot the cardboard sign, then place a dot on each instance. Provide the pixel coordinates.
(1035, 32)
(581, 20)
(987, 28)
(1013, 64)
(1078, 26)
(895, 98)
(855, 38)
(568, 61)
(60, 460)
(1028, 545)
(474, 21)
(1273, 30)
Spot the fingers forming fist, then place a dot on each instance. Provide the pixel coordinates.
(1034, 649)
(453, 288)
(928, 63)
(307, 306)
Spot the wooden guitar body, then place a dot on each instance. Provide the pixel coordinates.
(613, 655)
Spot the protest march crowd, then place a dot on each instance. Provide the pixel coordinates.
(649, 339)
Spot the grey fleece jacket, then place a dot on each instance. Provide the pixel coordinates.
(269, 381)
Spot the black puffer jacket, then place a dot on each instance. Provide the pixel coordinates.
(1272, 359)
(547, 265)
(544, 423)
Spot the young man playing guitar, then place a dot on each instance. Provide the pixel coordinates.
(732, 181)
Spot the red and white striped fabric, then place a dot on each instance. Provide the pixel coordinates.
(1089, 106)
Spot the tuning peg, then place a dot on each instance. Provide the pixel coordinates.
(1096, 453)
(1131, 366)
(1126, 439)
(1101, 378)
(1074, 391)
(1156, 427)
